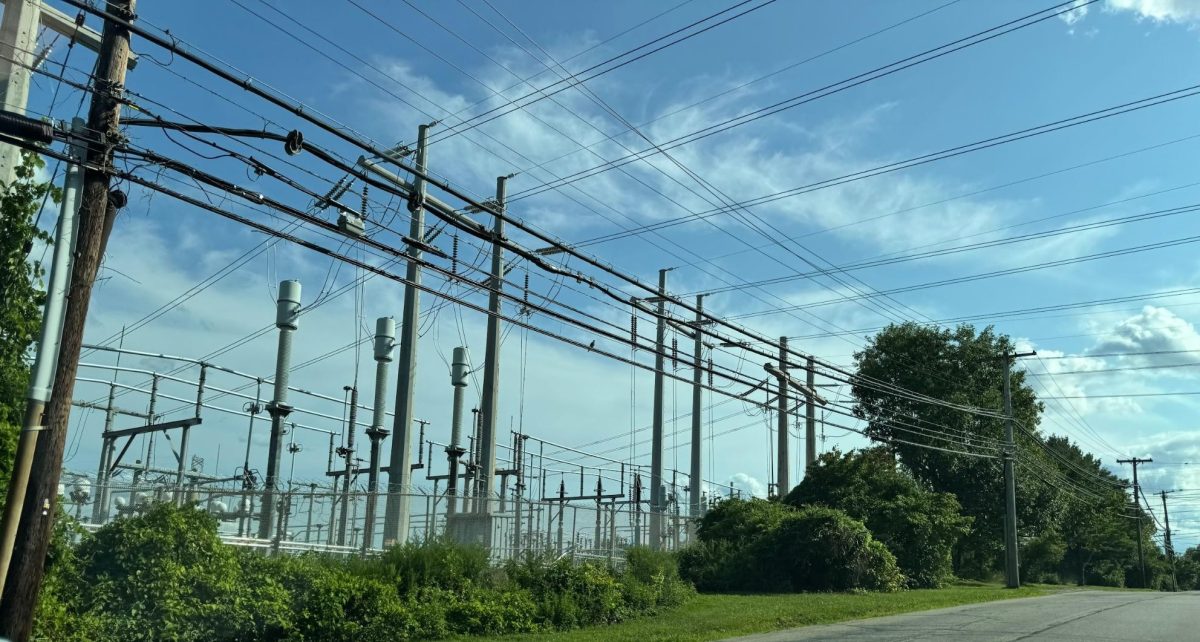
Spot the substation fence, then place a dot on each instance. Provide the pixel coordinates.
(309, 518)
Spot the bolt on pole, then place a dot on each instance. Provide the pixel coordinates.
(286, 319)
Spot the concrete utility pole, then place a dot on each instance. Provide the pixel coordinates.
(27, 565)
(1012, 565)
(458, 379)
(810, 419)
(489, 403)
(46, 356)
(782, 485)
(18, 40)
(694, 481)
(656, 439)
(1167, 540)
(1137, 489)
(395, 523)
(287, 313)
(348, 456)
(385, 340)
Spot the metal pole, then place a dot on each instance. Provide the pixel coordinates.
(385, 340)
(696, 471)
(1012, 565)
(782, 483)
(396, 518)
(489, 403)
(58, 282)
(810, 419)
(100, 511)
(183, 437)
(348, 456)
(459, 369)
(287, 314)
(656, 439)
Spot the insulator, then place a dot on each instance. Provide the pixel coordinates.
(454, 256)
(633, 335)
(710, 371)
(675, 353)
(364, 202)
(526, 294)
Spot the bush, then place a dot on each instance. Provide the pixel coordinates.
(435, 563)
(811, 549)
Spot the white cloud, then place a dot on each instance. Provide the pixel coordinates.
(748, 483)
(1154, 329)
(1079, 12)
(1180, 11)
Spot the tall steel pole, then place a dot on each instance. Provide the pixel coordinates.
(489, 403)
(696, 472)
(782, 484)
(656, 440)
(1012, 565)
(459, 369)
(286, 319)
(395, 524)
(385, 340)
(810, 419)
(348, 456)
(46, 356)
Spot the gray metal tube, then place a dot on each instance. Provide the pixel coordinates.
(349, 458)
(396, 519)
(810, 420)
(286, 315)
(385, 340)
(783, 482)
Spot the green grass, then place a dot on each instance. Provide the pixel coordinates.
(713, 617)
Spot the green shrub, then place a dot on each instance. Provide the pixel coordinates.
(811, 549)
(435, 563)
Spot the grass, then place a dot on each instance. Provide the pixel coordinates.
(714, 617)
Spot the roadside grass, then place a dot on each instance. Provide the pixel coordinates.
(714, 617)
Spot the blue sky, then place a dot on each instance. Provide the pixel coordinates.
(1103, 55)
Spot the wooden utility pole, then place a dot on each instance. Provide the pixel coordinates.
(26, 569)
(1167, 540)
(1137, 489)
(1012, 563)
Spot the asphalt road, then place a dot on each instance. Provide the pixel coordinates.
(1095, 616)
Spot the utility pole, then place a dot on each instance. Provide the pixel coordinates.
(656, 440)
(348, 455)
(18, 42)
(46, 357)
(1137, 489)
(385, 340)
(287, 313)
(489, 403)
(781, 481)
(1167, 540)
(395, 523)
(27, 565)
(458, 379)
(694, 481)
(810, 419)
(1012, 564)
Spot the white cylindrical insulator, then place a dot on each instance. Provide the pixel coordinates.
(288, 310)
(385, 338)
(460, 366)
(82, 487)
(218, 507)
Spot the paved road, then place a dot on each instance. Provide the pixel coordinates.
(1094, 616)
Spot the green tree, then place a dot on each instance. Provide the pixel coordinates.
(920, 527)
(961, 367)
(21, 299)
